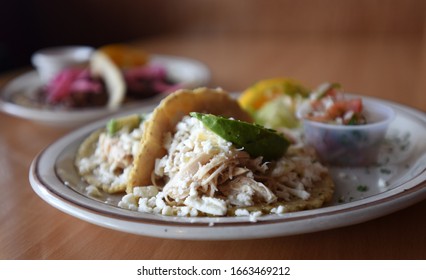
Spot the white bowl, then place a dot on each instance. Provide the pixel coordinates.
(50, 61)
(350, 145)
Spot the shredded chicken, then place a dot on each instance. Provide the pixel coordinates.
(112, 159)
(208, 174)
(242, 191)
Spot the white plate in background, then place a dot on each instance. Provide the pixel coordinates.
(189, 72)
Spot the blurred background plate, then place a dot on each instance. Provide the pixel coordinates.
(189, 72)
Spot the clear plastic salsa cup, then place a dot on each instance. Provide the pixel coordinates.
(350, 145)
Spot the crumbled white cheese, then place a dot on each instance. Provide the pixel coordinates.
(209, 205)
(167, 211)
(254, 216)
(93, 191)
(278, 210)
(129, 201)
(145, 205)
(242, 212)
(148, 191)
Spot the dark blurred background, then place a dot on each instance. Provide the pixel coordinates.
(28, 25)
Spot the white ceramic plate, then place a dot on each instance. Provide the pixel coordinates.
(361, 193)
(191, 73)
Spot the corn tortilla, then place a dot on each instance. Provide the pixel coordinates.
(164, 119)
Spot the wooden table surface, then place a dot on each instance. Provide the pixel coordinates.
(390, 68)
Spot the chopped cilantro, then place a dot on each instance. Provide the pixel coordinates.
(362, 188)
(404, 147)
(353, 121)
(385, 171)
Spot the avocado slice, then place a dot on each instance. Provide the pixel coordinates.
(254, 139)
(131, 122)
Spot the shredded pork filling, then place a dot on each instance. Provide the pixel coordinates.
(203, 172)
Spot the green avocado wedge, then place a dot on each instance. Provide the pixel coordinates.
(254, 139)
(131, 122)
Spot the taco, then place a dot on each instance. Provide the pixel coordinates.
(116, 74)
(186, 168)
(105, 158)
(129, 74)
(165, 117)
